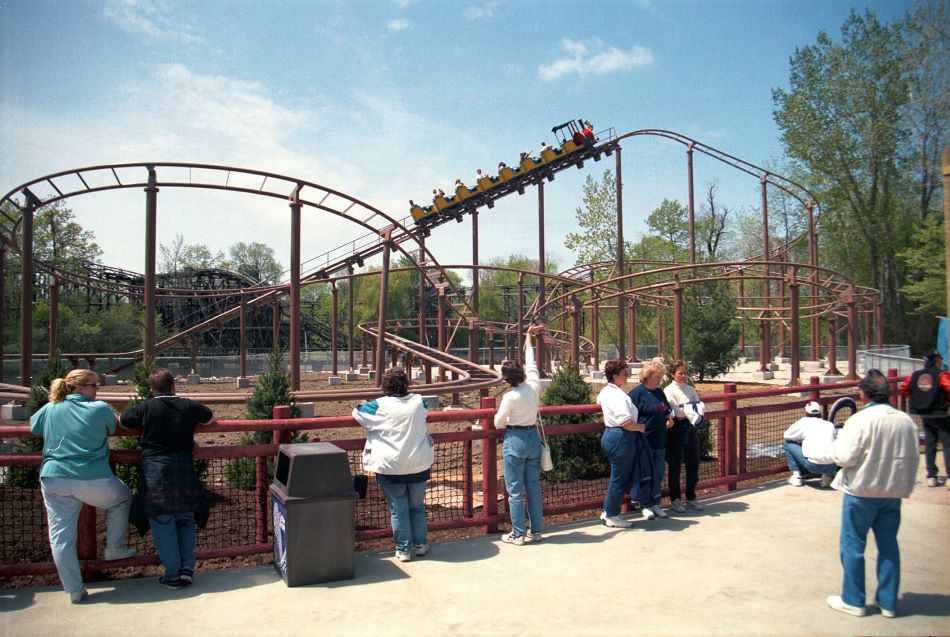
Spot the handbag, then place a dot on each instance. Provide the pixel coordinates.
(547, 463)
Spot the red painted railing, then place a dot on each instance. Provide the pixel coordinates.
(730, 419)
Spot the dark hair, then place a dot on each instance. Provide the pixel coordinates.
(875, 386)
(614, 367)
(161, 381)
(930, 360)
(395, 382)
(513, 373)
(675, 365)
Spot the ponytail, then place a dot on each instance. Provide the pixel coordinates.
(58, 391)
(61, 387)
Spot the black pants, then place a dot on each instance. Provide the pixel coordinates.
(675, 456)
(936, 429)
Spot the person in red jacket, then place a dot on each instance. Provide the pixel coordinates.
(929, 390)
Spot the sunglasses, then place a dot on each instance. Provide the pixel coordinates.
(90, 384)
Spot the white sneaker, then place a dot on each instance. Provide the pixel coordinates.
(826, 481)
(511, 538)
(677, 506)
(796, 481)
(838, 604)
(78, 596)
(119, 553)
(533, 536)
(695, 505)
(660, 513)
(615, 521)
(420, 549)
(886, 613)
(648, 513)
(932, 482)
(403, 557)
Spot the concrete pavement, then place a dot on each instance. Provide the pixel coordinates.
(756, 562)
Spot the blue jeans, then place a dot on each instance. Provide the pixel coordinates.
(883, 516)
(64, 498)
(407, 513)
(174, 537)
(522, 455)
(619, 445)
(656, 487)
(798, 462)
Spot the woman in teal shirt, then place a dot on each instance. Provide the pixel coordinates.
(75, 470)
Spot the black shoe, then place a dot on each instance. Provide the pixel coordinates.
(186, 575)
(173, 584)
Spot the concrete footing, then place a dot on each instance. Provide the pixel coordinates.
(13, 411)
(335, 380)
(193, 379)
(242, 382)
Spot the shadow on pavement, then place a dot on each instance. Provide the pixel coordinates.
(926, 604)
(16, 600)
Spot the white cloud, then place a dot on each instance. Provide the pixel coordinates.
(484, 12)
(398, 24)
(152, 18)
(581, 61)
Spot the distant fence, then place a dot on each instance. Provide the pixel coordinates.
(465, 489)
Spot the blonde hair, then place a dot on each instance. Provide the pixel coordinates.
(650, 368)
(75, 379)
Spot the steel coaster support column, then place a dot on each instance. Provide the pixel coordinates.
(151, 223)
(243, 335)
(781, 323)
(852, 335)
(53, 316)
(621, 299)
(766, 344)
(473, 327)
(660, 332)
(813, 261)
(490, 337)
(334, 313)
(3, 302)
(677, 319)
(634, 305)
(833, 345)
(275, 323)
(381, 317)
(575, 310)
(692, 214)
(541, 352)
(295, 289)
(26, 288)
(519, 325)
(595, 329)
(793, 329)
(349, 317)
(742, 320)
(422, 292)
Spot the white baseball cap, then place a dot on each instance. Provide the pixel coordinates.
(813, 408)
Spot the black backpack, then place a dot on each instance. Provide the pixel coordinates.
(926, 396)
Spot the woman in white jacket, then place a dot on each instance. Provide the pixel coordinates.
(399, 450)
(518, 416)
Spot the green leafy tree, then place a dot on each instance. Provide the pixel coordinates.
(179, 256)
(273, 389)
(28, 477)
(926, 263)
(577, 456)
(597, 240)
(255, 260)
(710, 329)
(865, 117)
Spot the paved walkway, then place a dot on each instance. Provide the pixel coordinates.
(756, 562)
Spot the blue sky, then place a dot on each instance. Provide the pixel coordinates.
(388, 99)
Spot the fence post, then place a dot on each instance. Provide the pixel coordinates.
(86, 539)
(489, 468)
(729, 434)
(281, 436)
(467, 488)
(815, 394)
(892, 383)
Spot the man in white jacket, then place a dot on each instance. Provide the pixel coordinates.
(878, 452)
(807, 444)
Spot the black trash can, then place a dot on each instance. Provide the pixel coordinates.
(314, 512)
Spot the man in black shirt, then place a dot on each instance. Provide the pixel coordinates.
(168, 487)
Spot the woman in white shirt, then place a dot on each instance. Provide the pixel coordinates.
(517, 415)
(683, 440)
(619, 440)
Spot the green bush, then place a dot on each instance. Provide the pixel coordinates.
(273, 389)
(576, 456)
(129, 472)
(29, 477)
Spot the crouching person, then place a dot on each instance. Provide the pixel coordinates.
(169, 490)
(399, 450)
(807, 447)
